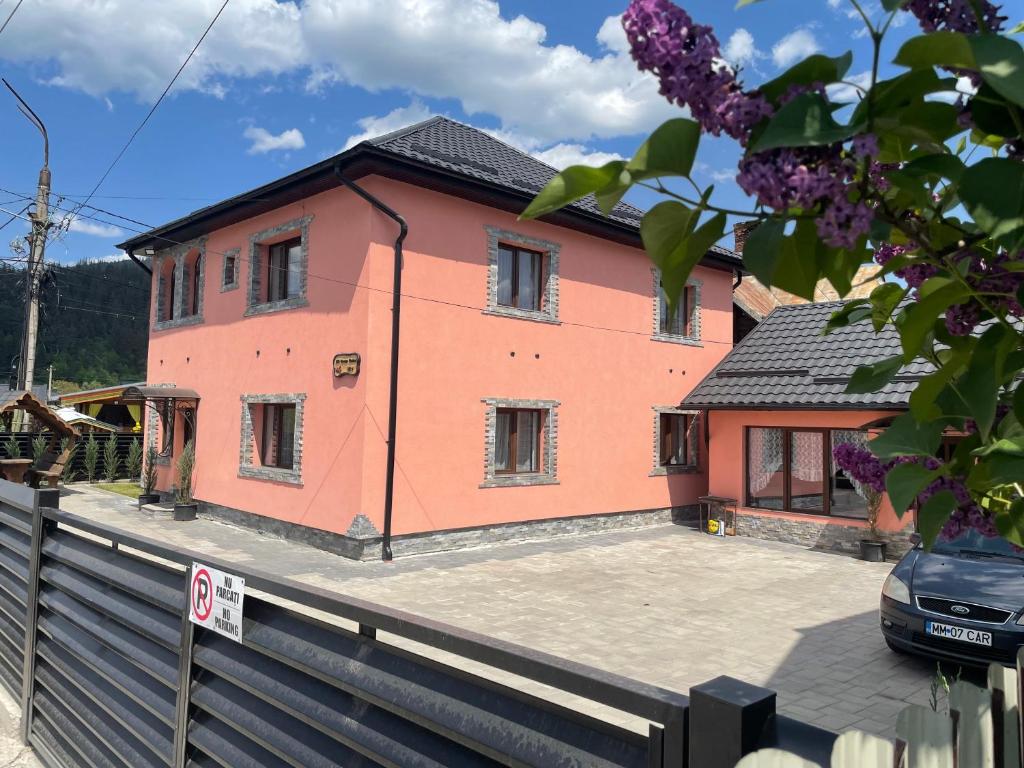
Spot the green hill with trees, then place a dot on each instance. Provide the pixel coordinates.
(93, 325)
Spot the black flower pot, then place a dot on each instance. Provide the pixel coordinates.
(872, 551)
(148, 498)
(185, 511)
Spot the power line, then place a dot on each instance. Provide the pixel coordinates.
(156, 104)
(11, 16)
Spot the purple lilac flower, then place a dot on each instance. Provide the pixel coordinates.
(685, 57)
(865, 145)
(842, 222)
(955, 15)
(962, 318)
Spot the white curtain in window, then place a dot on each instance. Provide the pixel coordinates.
(526, 441)
(765, 452)
(528, 265)
(501, 433)
(857, 437)
(505, 257)
(294, 271)
(805, 463)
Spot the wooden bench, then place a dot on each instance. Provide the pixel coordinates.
(47, 470)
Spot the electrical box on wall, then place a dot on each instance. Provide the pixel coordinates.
(346, 364)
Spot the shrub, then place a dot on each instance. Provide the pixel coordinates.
(92, 458)
(11, 447)
(186, 463)
(133, 463)
(111, 461)
(149, 475)
(39, 443)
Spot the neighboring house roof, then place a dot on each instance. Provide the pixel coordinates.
(758, 301)
(102, 394)
(786, 363)
(439, 154)
(75, 419)
(39, 390)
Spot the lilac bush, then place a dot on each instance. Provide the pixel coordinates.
(927, 189)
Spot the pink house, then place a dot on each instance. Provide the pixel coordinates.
(776, 407)
(528, 373)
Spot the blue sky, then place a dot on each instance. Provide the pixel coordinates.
(277, 86)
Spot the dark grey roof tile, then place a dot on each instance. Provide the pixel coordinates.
(786, 361)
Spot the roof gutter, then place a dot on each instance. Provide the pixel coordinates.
(396, 309)
(142, 266)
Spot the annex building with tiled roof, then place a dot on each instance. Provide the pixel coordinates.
(774, 410)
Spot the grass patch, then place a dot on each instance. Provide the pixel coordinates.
(130, 490)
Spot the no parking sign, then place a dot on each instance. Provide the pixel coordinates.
(215, 600)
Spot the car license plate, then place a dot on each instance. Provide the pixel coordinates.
(963, 634)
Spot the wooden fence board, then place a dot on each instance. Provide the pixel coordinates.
(928, 735)
(856, 749)
(774, 758)
(1004, 684)
(975, 739)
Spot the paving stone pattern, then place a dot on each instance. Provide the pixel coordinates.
(663, 604)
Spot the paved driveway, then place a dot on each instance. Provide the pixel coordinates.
(663, 604)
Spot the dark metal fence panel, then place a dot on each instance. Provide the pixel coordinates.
(106, 653)
(334, 695)
(16, 507)
(76, 467)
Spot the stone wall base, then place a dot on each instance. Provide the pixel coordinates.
(813, 534)
(369, 547)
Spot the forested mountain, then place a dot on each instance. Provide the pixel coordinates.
(93, 324)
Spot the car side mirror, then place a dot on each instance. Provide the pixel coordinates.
(915, 538)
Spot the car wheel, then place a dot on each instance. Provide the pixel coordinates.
(893, 647)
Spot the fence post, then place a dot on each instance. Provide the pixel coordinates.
(39, 529)
(728, 720)
(184, 677)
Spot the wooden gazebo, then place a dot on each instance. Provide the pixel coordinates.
(53, 460)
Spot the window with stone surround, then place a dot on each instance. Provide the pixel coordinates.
(229, 275)
(179, 299)
(681, 326)
(522, 276)
(278, 267)
(271, 443)
(520, 442)
(676, 441)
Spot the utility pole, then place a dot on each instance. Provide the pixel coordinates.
(40, 217)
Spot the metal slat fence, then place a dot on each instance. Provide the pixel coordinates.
(113, 673)
(76, 469)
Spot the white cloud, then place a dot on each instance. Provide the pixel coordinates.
(86, 227)
(264, 141)
(846, 92)
(724, 174)
(465, 50)
(563, 155)
(834, 3)
(397, 118)
(740, 50)
(795, 46)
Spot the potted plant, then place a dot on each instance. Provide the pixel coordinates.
(184, 505)
(872, 549)
(148, 496)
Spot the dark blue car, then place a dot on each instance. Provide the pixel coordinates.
(961, 602)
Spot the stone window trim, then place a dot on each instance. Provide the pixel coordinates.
(692, 465)
(548, 313)
(246, 466)
(225, 284)
(549, 469)
(693, 340)
(182, 283)
(257, 260)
